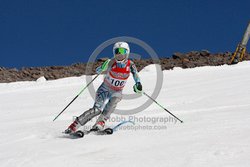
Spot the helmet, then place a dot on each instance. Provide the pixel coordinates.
(121, 52)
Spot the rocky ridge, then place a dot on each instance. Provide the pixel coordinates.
(184, 60)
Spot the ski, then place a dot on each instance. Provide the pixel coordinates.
(81, 134)
(107, 131)
(77, 134)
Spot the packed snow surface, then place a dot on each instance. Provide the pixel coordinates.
(213, 102)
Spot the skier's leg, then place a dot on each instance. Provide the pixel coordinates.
(101, 96)
(110, 107)
(88, 115)
(108, 110)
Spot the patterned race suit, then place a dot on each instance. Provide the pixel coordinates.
(110, 91)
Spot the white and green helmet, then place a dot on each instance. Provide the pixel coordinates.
(121, 51)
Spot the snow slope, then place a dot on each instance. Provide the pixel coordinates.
(213, 102)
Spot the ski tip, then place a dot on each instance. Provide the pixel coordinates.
(75, 135)
(109, 131)
(80, 134)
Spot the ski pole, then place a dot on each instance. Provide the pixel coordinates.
(76, 97)
(162, 107)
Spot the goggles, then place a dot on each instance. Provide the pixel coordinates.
(121, 51)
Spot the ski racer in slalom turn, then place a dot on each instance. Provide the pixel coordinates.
(117, 71)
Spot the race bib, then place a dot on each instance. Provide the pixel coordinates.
(118, 83)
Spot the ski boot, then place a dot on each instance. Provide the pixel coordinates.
(99, 129)
(99, 126)
(73, 127)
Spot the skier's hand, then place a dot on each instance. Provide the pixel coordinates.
(103, 67)
(138, 87)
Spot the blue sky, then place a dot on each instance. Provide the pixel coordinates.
(62, 32)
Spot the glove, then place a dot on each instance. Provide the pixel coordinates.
(138, 87)
(103, 67)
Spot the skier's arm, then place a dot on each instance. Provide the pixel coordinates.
(103, 67)
(134, 71)
(137, 87)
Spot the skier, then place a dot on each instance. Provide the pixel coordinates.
(117, 72)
